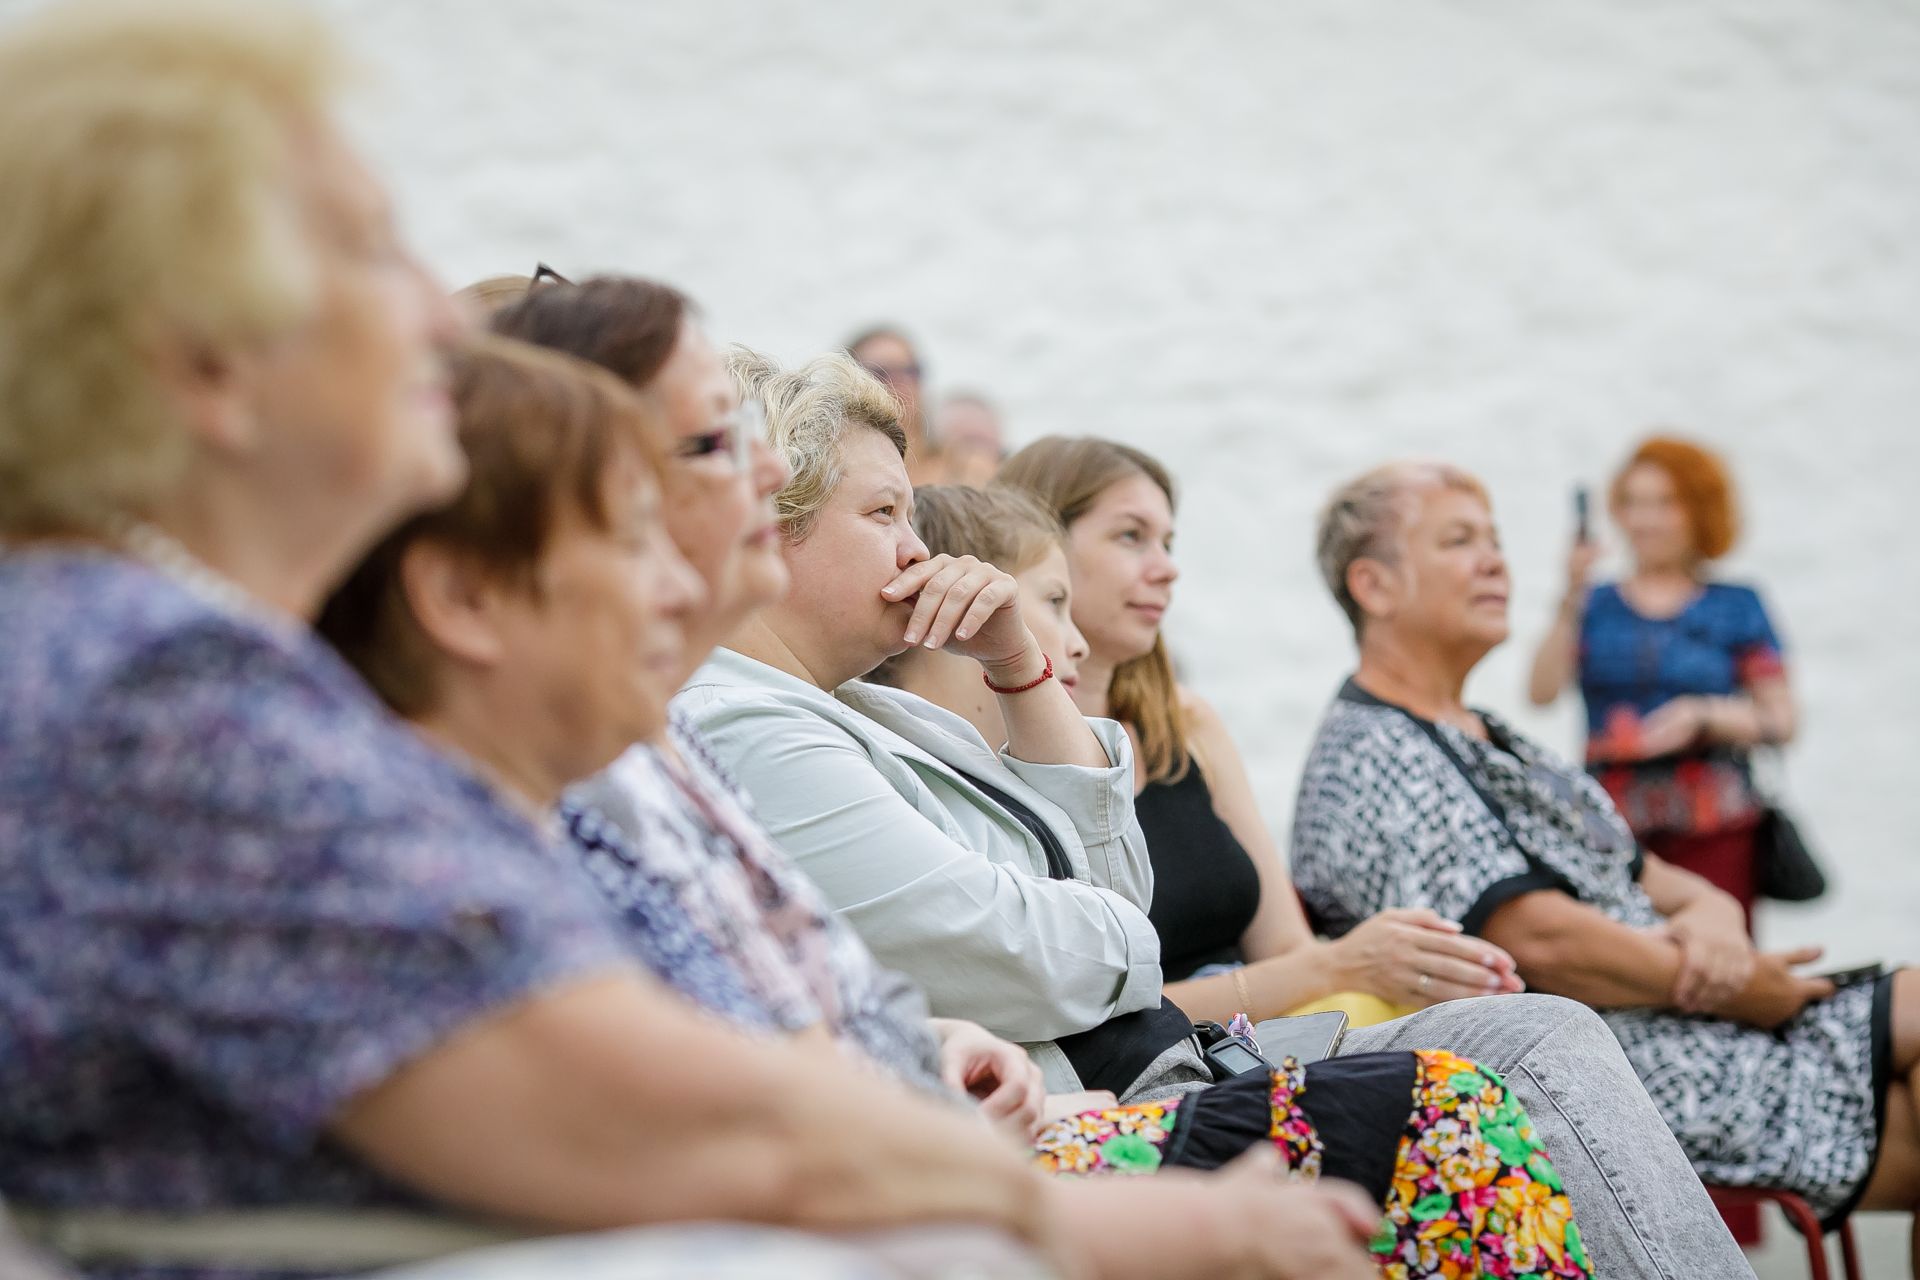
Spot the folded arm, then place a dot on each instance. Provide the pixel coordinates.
(1567, 948)
(608, 1102)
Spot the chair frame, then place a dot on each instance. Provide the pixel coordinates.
(1801, 1215)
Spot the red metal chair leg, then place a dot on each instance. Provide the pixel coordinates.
(1849, 1253)
(1801, 1216)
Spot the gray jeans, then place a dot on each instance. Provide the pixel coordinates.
(1641, 1208)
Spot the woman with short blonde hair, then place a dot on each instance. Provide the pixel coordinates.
(146, 226)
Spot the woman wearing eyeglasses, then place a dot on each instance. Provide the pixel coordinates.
(663, 813)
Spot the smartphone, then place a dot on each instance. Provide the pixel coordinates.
(1310, 1037)
(1582, 509)
(1853, 977)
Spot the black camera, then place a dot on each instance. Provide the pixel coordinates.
(1227, 1055)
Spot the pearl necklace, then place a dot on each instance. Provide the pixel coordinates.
(160, 550)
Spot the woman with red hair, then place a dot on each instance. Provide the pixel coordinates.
(1682, 675)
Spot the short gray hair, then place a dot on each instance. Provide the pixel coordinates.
(809, 410)
(1365, 517)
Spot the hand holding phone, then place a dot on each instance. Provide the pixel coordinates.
(1855, 976)
(1582, 519)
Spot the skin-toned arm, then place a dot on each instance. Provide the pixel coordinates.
(1286, 965)
(609, 1102)
(1674, 889)
(1716, 956)
(1558, 657)
(1568, 948)
(1777, 718)
(1765, 714)
(971, 608)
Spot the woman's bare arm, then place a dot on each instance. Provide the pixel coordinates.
(611, 1102)
(1565, 947)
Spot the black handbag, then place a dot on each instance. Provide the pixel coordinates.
(1784, 868)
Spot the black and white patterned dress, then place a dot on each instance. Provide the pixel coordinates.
(1385, 818)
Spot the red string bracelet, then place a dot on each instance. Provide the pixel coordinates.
(1034, 683)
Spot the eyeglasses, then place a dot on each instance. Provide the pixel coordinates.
(903, 373)
(733, 434)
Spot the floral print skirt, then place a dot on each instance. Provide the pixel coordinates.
(1465, 1186)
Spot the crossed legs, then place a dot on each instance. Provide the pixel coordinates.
(1640, 1206)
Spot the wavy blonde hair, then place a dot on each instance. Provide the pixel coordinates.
(1069, 475)
(809, 411)
(145, 199)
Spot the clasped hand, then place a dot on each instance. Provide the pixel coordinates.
(1716, 956)
(968, 607)
(997, 1073)
(1722, 974)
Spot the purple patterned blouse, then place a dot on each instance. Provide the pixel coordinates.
(234, 893)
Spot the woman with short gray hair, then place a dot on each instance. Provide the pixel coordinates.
(1411, 798)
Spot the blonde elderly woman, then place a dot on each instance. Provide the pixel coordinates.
(1412, 798)
(285, 988)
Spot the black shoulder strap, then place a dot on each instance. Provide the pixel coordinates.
(1495, 806)
(1058, 865)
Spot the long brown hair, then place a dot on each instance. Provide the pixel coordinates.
(1069, 474)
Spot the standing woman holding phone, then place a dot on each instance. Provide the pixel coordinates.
(1682, 675)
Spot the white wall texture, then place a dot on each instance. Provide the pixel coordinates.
(1276, 243)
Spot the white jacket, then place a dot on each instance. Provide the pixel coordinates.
(865, 789)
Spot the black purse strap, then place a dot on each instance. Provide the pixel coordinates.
(1113, 1055)
(1495, 806)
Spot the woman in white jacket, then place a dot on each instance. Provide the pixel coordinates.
(879, 795)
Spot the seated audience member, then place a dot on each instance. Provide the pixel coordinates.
(929, 839)
(971, 438)
(1232, 934)
(1412, 799)
(1681, 675)
(532, 628)
(889, 355)
(273, 963)
(663, 815)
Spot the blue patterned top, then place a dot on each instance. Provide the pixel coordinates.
(1721, 644)
(234, 893)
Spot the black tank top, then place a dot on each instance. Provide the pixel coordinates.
(1205, 887)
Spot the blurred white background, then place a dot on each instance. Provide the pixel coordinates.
(1276, 243)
